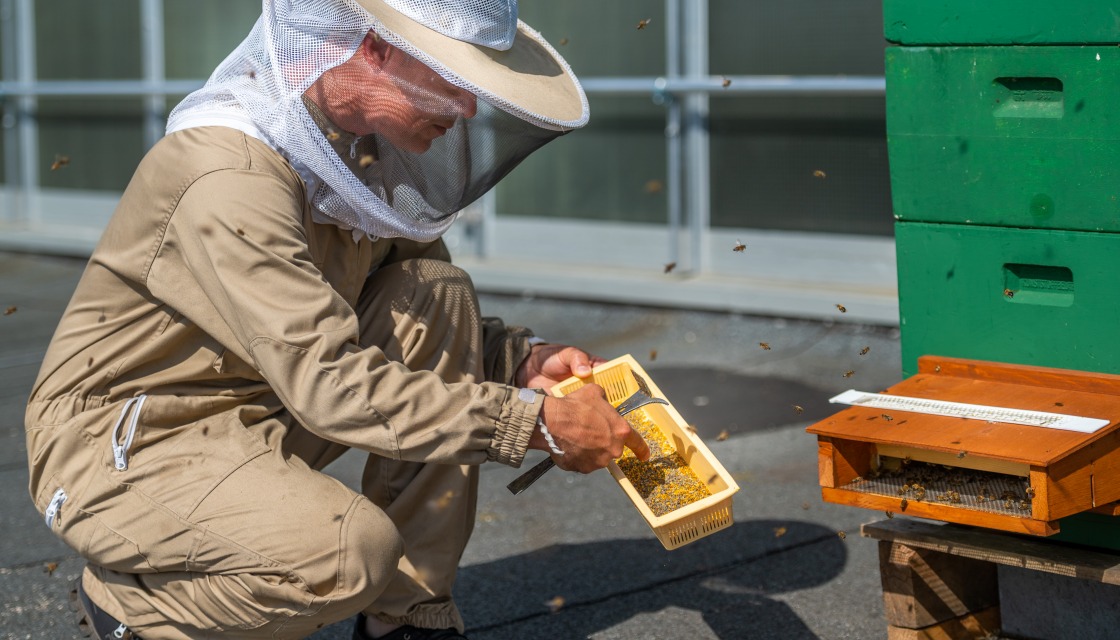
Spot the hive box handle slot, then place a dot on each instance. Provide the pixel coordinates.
(1038, 284)
(1029, 98)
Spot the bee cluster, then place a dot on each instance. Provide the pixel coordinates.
(665, 481)
(912, 481)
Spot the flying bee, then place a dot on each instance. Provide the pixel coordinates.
(654, 186)
(764, 345)
(937, 369)
(1059, 404)
(779, 532)
(726, 82)
(365, 161)
(1030, 492)
(849, 373)
(669, 266)
(10, 310)
(819, 174)
(563, 41)
(652, 355)
(333, 135)
(1009, 293)
(59, 162)
(864, 351)
(555, 604)
(642, 24)
(841, 308)
(962, 454)
(723, 435)
(902, 505)
(445, 500)
(798, 409)
(739, 247)
(805, 506)
(887, 417)
(890, 514)
(51, 567)
(842, 535)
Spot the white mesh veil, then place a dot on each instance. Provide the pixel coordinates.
(399, 141)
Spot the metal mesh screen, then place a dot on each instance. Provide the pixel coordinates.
(952, 486)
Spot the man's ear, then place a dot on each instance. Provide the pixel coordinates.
(377, 50)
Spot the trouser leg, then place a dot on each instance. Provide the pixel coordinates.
(425, 314)
(251, 545)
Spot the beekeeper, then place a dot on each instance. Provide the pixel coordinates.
(272, 291)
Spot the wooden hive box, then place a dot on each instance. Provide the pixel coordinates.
(975, 472)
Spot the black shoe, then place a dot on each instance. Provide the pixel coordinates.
(407, 632)
(95, 623)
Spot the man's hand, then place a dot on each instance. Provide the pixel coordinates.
(550, 364)
(588, 430)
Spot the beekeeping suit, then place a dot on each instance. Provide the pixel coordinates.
(272, 291)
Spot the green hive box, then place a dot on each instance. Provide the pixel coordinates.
(953, 286)
(1005, 136)
(1001, 22)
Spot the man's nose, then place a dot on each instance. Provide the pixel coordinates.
(468, 103)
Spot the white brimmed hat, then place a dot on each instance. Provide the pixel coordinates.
(420, 151)
(483, 43)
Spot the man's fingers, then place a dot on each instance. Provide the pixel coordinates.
(591, 389)
(579, 362)
(637, 444)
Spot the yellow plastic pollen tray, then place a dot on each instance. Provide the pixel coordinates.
(693, 521)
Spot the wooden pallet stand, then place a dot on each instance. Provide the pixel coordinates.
(1002, 476)
(940, 582)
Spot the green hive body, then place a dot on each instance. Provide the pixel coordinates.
(1004, 143)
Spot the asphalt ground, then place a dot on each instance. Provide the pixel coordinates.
(571, 557)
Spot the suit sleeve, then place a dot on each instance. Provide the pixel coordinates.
(504, 346)
(234, 259)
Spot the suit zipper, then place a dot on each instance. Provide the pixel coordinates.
(52, 509)
(120, 449)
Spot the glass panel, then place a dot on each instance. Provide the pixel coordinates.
(102, 139)
(602, 38)
(814, 163)
(614, 169)
(83, 40)
(201, 33)
(796, 37)
(809, 173)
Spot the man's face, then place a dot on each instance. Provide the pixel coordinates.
(383, 90)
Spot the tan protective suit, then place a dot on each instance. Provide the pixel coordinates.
(263, 346)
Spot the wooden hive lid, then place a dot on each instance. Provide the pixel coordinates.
(1078, 393)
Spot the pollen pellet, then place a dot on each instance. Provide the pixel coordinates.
(665, 481)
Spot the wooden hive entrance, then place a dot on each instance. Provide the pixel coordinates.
(991, 474)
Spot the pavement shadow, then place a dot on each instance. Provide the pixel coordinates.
(716, 400)
(728, 579)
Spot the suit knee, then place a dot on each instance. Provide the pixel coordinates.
(370, 548)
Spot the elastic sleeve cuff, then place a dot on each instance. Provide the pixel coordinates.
(515, 426)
